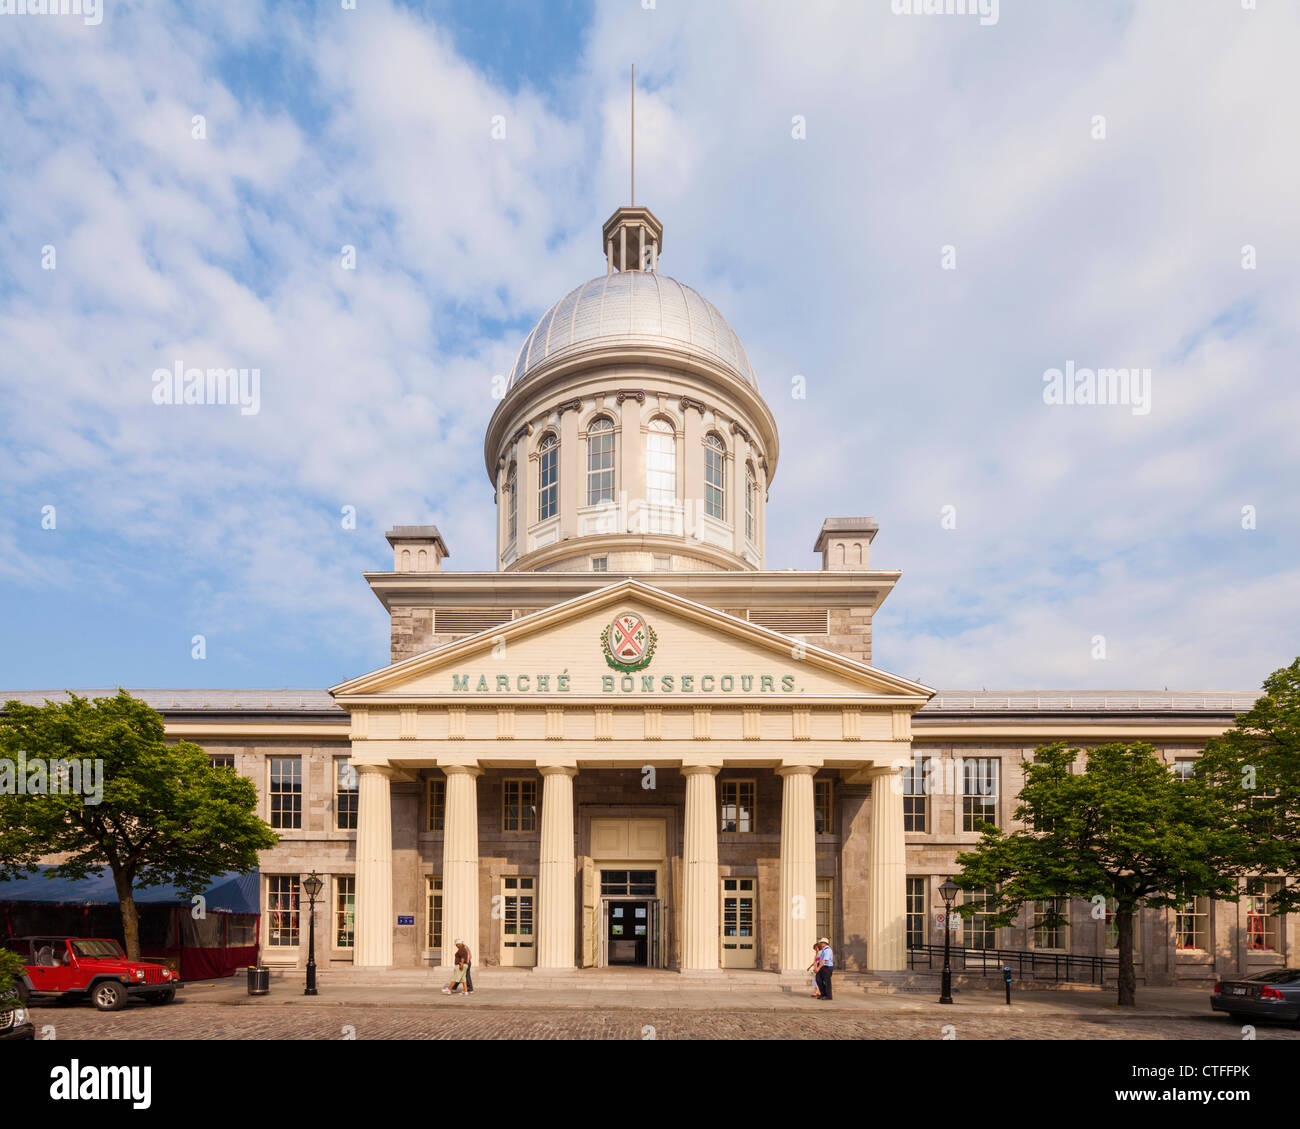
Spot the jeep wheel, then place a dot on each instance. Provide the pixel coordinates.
(108, 995)
(163, 997)
(24, 992)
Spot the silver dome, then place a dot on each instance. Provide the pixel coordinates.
(633, 307)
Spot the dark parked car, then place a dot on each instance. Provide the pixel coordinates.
(93, 968)
(15, 1022)
(1273, 994)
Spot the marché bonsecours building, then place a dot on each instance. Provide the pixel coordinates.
(633, 744)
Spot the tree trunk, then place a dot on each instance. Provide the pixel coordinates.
(130, 916)
(1127, 977)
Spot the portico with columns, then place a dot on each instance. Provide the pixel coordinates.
(573, 792)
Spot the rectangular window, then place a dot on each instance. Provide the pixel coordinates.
(345, 911)
(512, 508)
(1192, 925)
(640, 882)
(1045, 935)
(823, 814)
(979, 803)
(738, 806)
(1184, 767)
(437, 802)
(661, 464)
(750, 490)
(1112, 927)
(346, 794)
(286, 792)
(979, 933)
(600, 463)
(222, 760)
(714, 471)
(916, 804)
(915, 913)
(433, 912)
(1261, 918)
(519, 805)
(826, 909)
(548, 481)
(599, 564)
(282, 911)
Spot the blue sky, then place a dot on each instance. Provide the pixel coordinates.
(372, 128)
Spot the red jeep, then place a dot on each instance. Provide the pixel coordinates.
(75, 967)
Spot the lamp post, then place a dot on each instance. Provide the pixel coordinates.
(948, 892)
(312, 884)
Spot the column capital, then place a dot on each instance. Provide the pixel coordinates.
(882, 770)
(696, 769)
(800, 768)
(375, 770)
(554, 767)
(462, 769)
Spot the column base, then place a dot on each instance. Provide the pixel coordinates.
(702, 973)
(562, 970)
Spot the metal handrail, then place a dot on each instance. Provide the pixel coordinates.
(1062, 966)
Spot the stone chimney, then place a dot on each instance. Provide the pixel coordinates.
(417, 548)
(845, 543)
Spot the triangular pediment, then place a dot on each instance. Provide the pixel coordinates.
(630, 643)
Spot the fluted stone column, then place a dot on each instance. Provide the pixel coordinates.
(798, 867)
(460, 862)
(374, 906)
(700, 871)
(887, 881)
(555, 910)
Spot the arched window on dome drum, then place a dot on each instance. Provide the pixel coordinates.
(600, 461)
(661, 463)
(548, 478)
(715, 455)
(751, 490)
(512, 506)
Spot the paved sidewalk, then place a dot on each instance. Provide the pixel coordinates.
(683, 994)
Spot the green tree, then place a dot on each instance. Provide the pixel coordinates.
(11, 968)
(1124, 828)
(166, 816)
(1256, 767)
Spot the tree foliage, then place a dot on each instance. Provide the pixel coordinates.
(166, 815)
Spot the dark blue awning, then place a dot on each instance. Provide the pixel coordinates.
(230, 893)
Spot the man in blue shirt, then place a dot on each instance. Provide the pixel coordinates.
(825, 966)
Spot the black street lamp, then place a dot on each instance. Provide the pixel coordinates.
(948, 892)
(312, 884)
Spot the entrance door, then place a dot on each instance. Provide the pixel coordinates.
(518, 949)
(739, 904)
(629, 933)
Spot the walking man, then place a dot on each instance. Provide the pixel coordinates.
(825, 966)
(464, 955)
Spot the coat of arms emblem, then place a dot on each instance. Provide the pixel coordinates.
(628, 642)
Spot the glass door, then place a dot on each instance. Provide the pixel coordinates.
(518, 900)
(739, 905)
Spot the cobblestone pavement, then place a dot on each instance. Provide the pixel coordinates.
(214, 1021)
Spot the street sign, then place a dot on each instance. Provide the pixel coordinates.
(406, 919)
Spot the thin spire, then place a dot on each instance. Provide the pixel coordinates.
(633, 201)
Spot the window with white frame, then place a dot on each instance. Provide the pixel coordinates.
(826, 908)
(661, 463)
(345, 911)
(823, 812)
(437, 802)
(1262, 919)
(979, 803)
(548, 477)
(433, 912)
(751, 494)
(1112, 926)
(286, 792)
(519, 805)
(916, 804)
(346, 794)
(715, 472)
(600, 461)
(512, 505)
(282, 911)
(1046, 933)
(222, 760)
(980, 933)
(737, 806)
(915, 912)
(1184, 767)
(599, 564)
(1192, 925)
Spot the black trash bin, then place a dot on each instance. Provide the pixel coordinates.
(259, 981)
